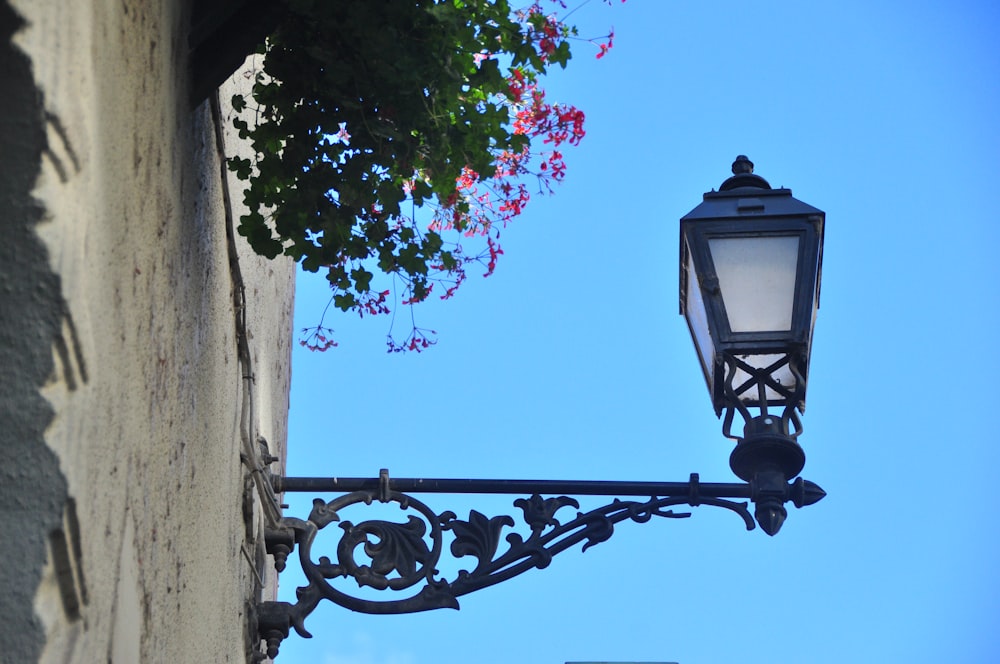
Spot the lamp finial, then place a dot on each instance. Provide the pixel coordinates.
(742, 165)
(743, 176)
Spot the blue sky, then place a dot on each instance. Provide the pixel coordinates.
(571, 361)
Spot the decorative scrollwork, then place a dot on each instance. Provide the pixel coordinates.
(402, 558)
(404, 555)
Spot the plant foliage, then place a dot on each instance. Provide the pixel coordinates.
(366, 110)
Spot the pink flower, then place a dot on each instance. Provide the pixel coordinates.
(342, 135)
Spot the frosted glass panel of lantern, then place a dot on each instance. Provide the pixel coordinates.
(757, 280)
(782, 375)
(694, 309)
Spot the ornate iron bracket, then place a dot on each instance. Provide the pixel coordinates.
(403, 557)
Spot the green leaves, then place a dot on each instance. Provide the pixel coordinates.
(255, 230)
(344, 301)
(241, 167)
(362, 279)
(365, 109)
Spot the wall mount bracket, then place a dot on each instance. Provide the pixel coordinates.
(402, 558)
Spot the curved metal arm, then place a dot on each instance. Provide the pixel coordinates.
(404, 556)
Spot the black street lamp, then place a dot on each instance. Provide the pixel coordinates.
(750, 274)
(750, 270)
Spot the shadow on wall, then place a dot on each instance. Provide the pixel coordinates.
(33, 323)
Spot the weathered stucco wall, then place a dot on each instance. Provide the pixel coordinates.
(131, 514)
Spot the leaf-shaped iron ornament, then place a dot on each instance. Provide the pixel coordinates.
(479, 536)
(540, 512)
(400, 548)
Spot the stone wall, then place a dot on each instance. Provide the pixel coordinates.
(145, 349)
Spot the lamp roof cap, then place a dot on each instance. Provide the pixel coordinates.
(743, 176)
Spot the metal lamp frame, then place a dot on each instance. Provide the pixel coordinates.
(743, 212)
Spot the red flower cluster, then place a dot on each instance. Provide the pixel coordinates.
(459, 275)
(417, 341)
(548, 35)
(413, 299)
(606, 46)
(373, 303)
(478, 203)
(495, 251)
(482, 204)
(318, 338)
